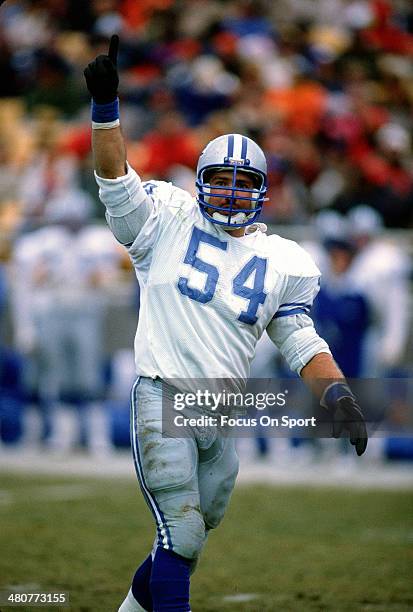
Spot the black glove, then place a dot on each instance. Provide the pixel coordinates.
(101, 75)
(348, 416)
(345, 414)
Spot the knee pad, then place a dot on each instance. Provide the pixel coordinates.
(187, 530)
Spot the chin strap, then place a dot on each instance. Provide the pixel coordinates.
(235, 219)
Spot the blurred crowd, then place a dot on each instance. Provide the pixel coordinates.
(324, 86)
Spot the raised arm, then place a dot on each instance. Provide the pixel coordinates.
(102, 80)
(128, 206)
(109, 153)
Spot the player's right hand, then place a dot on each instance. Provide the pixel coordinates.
(101, 75)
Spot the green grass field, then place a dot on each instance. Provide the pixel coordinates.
(293, 548)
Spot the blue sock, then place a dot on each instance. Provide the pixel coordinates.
(170, 581)
(140, 584)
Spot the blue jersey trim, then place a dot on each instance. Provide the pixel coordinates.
(296, 304)
(293, 311)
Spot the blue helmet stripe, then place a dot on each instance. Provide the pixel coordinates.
(244, 148)
(230, 145)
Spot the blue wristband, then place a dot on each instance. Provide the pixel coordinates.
(105, 113)
(335, 392)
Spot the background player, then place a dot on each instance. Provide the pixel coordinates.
(210, 277)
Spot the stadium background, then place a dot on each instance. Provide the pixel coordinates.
(326, 88)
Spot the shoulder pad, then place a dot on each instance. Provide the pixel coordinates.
(290, 258)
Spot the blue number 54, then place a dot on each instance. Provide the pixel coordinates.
(256, 266)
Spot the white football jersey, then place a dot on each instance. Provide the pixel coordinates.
(206, 296)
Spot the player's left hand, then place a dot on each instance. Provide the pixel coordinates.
(347, 416)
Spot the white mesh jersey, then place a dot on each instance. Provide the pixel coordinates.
(206, 296)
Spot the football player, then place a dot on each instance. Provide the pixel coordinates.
(212, 282)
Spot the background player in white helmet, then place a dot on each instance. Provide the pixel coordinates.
(59, 299)
(382, 268)
(211, 282)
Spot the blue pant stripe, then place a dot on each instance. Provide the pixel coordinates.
(163, 531)
(162, 527)
(134, 453)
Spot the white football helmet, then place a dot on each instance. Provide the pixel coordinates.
(236, 153)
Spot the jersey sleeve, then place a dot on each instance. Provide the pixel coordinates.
(291, 329)
(130, 206)
(299, 296)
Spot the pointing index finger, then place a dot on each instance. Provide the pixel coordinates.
(113, 49)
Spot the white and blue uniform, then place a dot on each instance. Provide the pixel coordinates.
(59, 305)
(206, 299)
